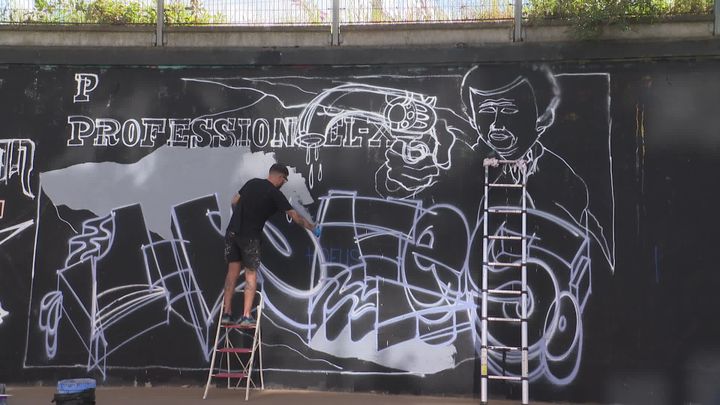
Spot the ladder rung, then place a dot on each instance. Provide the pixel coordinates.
(238, 326)
(500, 264)
(499, 319)
(505, 185)
(506, 292)
(234, 350)
(504, 237)
(504, 211)
(504, 377)
(511, 161)
(507, 348)
(229, 375)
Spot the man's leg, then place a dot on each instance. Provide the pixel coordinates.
(230, 281)
(250, 287)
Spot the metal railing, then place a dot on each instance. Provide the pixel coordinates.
(308, 12)
(78, 11)
(252, 12)
(414, 11)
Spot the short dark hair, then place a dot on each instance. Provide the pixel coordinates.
(279, 168)
(545, 87)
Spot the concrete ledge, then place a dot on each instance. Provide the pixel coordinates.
(77, 35)
(240, 37)
(371, 35)
(677, 28)
(426, 34)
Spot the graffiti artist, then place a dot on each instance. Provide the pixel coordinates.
(256, 201)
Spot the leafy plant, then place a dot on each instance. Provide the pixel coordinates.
(124, 12)
(177, 13)
(589, 17)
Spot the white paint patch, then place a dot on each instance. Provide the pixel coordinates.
(3, 314)
(412, 355)
(163, 179)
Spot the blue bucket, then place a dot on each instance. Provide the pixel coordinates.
(75, 385)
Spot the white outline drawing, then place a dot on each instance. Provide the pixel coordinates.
(355, 115)
(401, 121)
(493, 122)
(440, 310)
(159, 286)
(10, 232)
(16, 160)
(92, 316)
(403, 293)
(3, 314)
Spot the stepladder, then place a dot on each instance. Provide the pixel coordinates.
(504, 292)
(237, 354)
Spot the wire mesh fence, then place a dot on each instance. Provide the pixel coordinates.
(413, 11)
(125, 12)
(249, 12)
(320, 12)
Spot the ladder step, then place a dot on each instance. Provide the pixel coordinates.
(230, 375)
(505, 292)
(234, 350)
(506, 348)
(511, 161)
(499, 319)
(238, 326)
(500, 264)
(505, 185)
(505, 377)
(504, 211)
(504, 237)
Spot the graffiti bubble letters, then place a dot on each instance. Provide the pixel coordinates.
(86, 82)
(16, 160)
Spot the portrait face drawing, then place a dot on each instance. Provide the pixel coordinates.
(506, 118)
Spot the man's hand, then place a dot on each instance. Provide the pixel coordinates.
(235, 200)
(411, 165)
(414, 164)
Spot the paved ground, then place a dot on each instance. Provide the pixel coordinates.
(193, 396)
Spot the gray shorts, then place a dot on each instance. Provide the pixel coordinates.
(242, 249)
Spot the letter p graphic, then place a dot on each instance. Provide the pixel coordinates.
(86, 82)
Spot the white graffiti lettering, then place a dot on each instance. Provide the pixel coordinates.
(16, 160)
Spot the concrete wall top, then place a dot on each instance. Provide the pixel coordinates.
(376, 35)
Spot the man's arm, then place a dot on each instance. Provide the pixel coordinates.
(300, 220)
(235, 200)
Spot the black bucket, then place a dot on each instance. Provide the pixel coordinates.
(86, 397)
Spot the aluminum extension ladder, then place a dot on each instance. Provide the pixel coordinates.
(244, 356)
(488, 263)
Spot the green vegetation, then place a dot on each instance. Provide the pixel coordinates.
(588, 17)
(119, 12)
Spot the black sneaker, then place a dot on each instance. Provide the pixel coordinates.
(247, 321)
(227, 319)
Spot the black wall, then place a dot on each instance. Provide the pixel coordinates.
(116, 182)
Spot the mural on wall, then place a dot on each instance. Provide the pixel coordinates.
(16, 163)
(17, 158)
(391, 167)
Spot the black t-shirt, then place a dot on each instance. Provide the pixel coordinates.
(259, 200)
